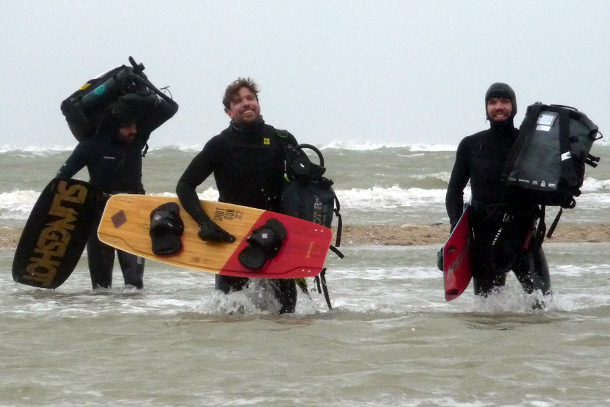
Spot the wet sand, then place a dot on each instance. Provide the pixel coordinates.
(408, 235)
(403, 235)
(9, 238)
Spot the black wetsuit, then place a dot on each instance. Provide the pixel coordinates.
(248, 164)
(115, 167)
(480, 158)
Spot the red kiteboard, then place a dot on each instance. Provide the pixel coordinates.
(456, 259)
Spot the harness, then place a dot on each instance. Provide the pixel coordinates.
(508, 223)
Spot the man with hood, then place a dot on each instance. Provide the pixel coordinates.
(113, 157)
(501, 217)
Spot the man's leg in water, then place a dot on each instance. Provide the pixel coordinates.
(486, 285)
(100, 257)
(132, 267)
(532, 271)
(484, 278)
(227, 284)
(285, 291)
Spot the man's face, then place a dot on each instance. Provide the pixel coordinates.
(244, 107)
(499, 109)
(127, 134)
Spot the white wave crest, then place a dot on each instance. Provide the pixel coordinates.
(393, 197)
(17, 205)
(604, 141)
(334, 145)
(433, 147)
(180, 147)
(441, 176)
(359, 146)
(35, 150)
(592, 184)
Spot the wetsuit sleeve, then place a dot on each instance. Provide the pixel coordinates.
(155, 115)
(454, 199)
(76, 162)
(198, 171)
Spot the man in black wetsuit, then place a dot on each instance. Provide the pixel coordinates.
(113, 157)
(502, 219)
(248, 163)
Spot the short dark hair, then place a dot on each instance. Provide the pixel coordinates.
(233, 89)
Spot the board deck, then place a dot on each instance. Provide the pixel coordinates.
(56, 233)
(125, 225)
(456, 259)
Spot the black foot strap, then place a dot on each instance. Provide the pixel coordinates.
(166, 229)
(264, 244)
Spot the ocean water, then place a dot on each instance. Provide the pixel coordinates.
(375, 184)
(390, 339)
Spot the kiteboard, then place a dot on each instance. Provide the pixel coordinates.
(456, 259)
(126, 221)
(56, 233)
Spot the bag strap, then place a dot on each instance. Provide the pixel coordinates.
(554, 224)
(323, 287)
(339, 221)
(336, 251)
(541, 229)
(296, 161)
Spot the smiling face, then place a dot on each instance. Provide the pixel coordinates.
(244, 107)
(499, 109)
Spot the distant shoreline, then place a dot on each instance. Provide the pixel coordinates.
(410, 235)
(403, 235)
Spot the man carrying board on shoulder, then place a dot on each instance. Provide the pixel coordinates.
(113, 157)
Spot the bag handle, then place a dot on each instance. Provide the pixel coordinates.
(315, 150)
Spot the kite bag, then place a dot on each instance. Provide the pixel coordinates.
(549, 156)
(85, 108)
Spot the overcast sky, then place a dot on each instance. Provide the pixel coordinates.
(391, 72)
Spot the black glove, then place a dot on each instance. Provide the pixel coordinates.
(211, 232)
(140, 100)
